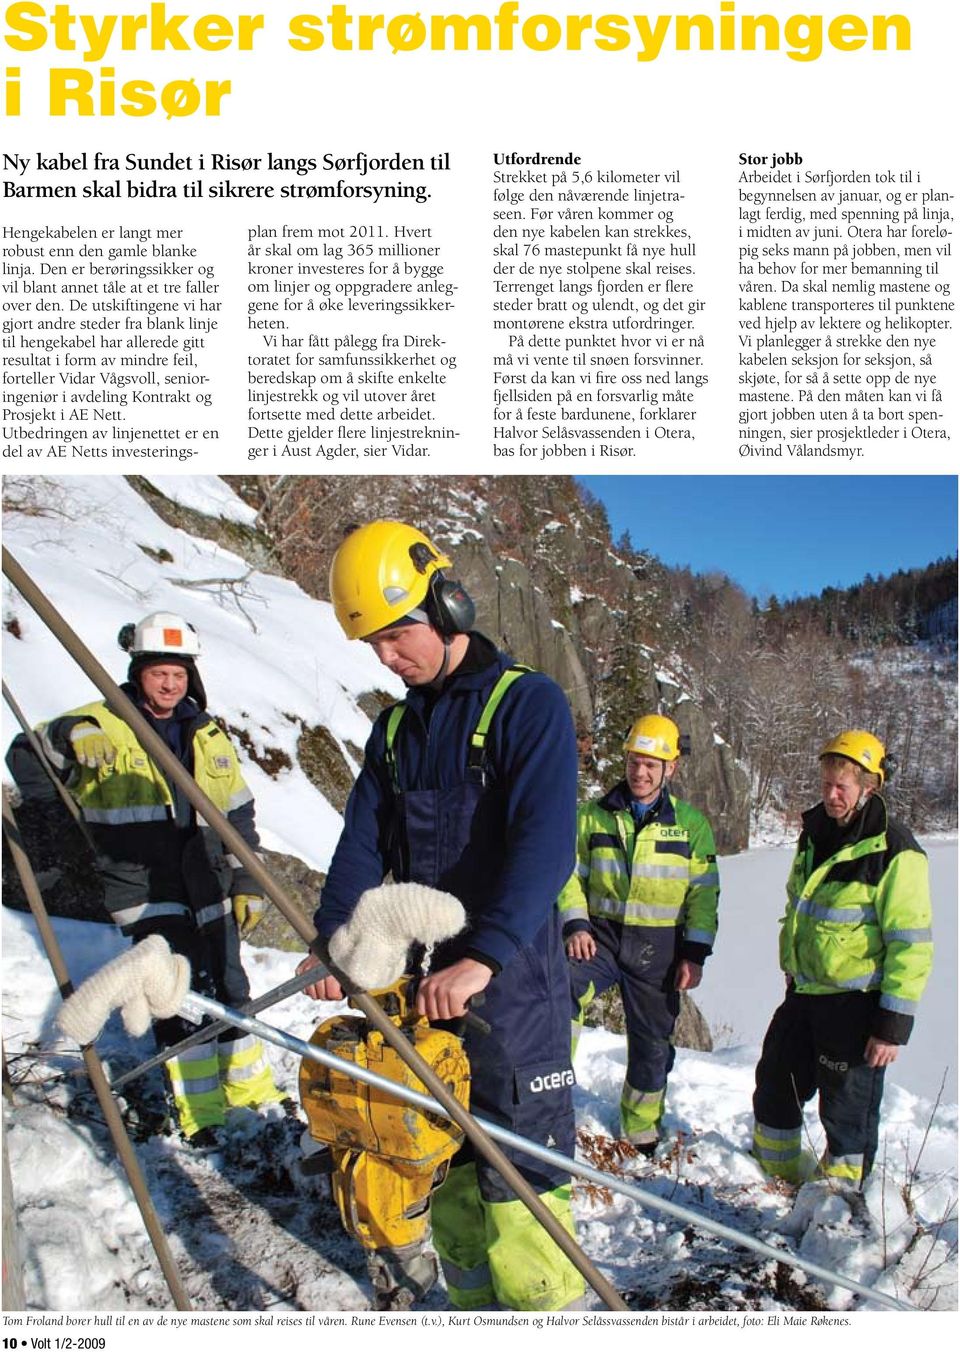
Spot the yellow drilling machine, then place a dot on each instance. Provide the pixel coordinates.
(385, 1157)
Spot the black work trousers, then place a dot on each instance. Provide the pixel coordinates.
(815, 1044)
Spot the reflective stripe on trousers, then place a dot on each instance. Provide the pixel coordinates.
(245, 1073)
(195, 1084)
(780, 1154)
(208, 1079)
(847, 1167)
(777, 1150)
(496, 1254)
(640, 1115)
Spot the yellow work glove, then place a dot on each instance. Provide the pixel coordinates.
(91, 746)
(248, 912)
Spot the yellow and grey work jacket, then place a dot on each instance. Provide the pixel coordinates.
(154, 857)
(662, 877)
(858, 914)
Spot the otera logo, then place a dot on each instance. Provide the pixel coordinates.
(558, 1080)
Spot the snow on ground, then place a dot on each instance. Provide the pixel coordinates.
(205, 493)
(273, 659)
(247, 1235)
(244, 1237)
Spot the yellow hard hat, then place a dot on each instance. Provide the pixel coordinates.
(380, 574)
(656, 736)
(862, 748)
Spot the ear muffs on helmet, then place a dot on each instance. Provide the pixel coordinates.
(449, 606)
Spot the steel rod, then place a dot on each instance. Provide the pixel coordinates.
(98, 1079)
(266, 1001)
(157, 749)
(554, 1158)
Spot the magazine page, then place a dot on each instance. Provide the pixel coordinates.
(508, 240)
(646, 323)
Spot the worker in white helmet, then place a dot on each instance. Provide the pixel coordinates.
(164, 871)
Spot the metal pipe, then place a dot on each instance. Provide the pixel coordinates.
(95, 1070)
(162, 755)
(202, 1004)
(269, 998)
(273, 997)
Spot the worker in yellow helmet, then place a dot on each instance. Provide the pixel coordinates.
(469, 785)
(856, 947)
(640, 912)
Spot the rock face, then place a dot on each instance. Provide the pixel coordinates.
(514, 611)
(61, 860)
(710, 777)
(691, 1031)
(302, 885)
(551, 588)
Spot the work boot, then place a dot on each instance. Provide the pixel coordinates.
(206, 1140)
(639, 1154)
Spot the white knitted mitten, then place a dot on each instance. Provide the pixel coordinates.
(371, 948)
(146, 982)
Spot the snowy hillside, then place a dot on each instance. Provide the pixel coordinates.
(272, 657)
(244, 1234)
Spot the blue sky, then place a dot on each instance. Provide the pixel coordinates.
(785, 535)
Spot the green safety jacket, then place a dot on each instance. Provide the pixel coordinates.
(858, 914)
(663, 877)
(151, 861)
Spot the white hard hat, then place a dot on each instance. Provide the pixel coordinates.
(163, 632)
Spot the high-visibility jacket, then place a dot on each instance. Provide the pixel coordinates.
(150, 858)
(164, 872)
(663, 877)
(860, 920)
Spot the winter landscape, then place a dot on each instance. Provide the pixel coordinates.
(247, 1231)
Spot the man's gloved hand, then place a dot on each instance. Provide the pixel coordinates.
(91, 746)
(248, 912)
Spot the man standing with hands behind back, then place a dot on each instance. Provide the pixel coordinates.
(640, 912)
(856, 947)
